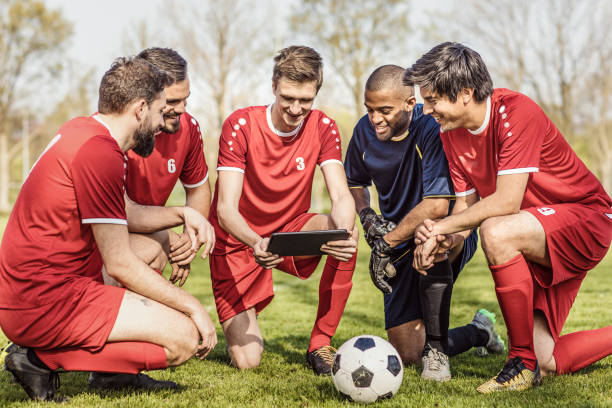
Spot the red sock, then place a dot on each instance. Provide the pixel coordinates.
(514, 289)
(334, 289)
(575, 351)
(127, 357)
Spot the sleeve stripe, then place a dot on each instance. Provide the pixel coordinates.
(326, 162)
(516, 171)
(364, 186)
(196, 184)
(238, 169)
(440, 196)
(465, 193)
(104, 221)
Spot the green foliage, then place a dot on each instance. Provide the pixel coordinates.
(283, 380)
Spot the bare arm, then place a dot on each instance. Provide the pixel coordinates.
(198, 198)
(361, 195)
(506, 200)
(342, 203)
(428, 208)
(145, 219)
(125, 267)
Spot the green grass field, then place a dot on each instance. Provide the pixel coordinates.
(283, 380)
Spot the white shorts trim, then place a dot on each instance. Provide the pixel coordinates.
(104, 221)
(465, 193)
(196, 184)
(331, 161)
(238, 169)
(517, 171)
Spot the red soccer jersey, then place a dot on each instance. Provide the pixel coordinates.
(176, 155)
(48, 242)
(518, 137)
(278, 167)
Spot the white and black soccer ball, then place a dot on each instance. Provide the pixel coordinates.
(367, 368)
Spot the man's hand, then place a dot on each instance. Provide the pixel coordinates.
(424, 231)
(199, 230)
(206, 328)
(180, 249)
(433, 250)
(381, 267)
(264, 258)
(374, 225)
(179, 273)
(341, 250)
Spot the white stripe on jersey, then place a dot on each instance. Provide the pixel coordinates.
(517, 171)
(104, 221)
(238, 169)
(465, 193)
(331, 161)
(198, 184)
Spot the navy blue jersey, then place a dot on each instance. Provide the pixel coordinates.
(405, 171)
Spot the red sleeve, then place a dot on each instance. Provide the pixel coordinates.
(461, 183)
(195, 169)
(521, 128)
(98, 174)
(331, 147)
(233, 144)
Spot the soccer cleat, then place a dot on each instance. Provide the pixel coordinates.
(4, 351)
(115, 381)
(435, 365)
(514, 376)
(485, 320)
(39, 383)
(321, 360)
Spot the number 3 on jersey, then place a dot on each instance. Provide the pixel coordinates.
(300, 163)
(171, 166)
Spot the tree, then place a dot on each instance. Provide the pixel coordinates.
(355, 36)
(551, 50)
(30, 34)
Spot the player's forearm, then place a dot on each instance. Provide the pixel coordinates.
(147, 219)
(361, 195)
(343, 212)
(432, 208)
(199, 199)
(473, 216)
(232, 221)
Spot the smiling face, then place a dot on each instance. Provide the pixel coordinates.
(450, 115)
(176, 103)
(293, 102)
(389, 111)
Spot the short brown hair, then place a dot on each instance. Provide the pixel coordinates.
(298, 63)
(168, 60)
(127, 80)
(448, 68)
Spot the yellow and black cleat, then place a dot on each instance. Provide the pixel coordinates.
(513, 377)
(10, 346)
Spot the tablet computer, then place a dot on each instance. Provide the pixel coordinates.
(303, 242)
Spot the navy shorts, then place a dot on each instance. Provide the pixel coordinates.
(403, 304)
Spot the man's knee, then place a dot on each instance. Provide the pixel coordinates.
(245, 357)
(497, 238)
(183, 345)
(409, 340)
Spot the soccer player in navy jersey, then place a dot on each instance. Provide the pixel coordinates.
(545, 220)
(398, 148)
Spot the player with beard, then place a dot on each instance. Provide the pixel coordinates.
(177, 155)
(545, 220)
(70, 218)
(397, 148)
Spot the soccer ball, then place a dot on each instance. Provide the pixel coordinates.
(366, 369)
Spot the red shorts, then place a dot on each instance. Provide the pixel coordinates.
(578, 238)
(83, 316)
(239, 283)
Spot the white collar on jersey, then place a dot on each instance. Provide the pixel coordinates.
(99, 119)
(275, 130)
(486, 120)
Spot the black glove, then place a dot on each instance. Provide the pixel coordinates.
(381, 267)
(374, 225)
